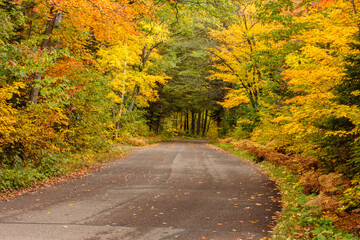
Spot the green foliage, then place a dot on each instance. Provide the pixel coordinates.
(89, 115)
(18, 178)
(50, 165)
(133, 124)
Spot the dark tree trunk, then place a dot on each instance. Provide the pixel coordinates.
(187, 122)
(208, 126)
(198, 124)
(205, 122)
(181, 122)
(176, 120)
(193, 123)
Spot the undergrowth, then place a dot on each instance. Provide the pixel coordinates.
(16, 178)
(296, 220)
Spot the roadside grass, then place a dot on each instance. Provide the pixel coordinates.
(141, 141)
(14, 179)
(296, 220)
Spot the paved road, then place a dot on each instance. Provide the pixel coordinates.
(175, 190)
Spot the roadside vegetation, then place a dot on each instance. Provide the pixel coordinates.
(61, 166)
(311, 209)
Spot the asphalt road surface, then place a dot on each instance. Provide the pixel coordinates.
(175, 190)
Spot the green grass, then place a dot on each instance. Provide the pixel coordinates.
(241, 154)
(296, 221)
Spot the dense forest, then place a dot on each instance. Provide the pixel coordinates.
(77, 77)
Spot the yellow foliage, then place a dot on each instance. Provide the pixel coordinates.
(8, 114)
(234, 99)
(312, 74)
(235, 56)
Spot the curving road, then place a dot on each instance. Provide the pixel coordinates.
(175, 190)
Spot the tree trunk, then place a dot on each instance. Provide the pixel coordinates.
(205, 122)
(193, 123)
(35, 90)
(133, 99)
(181, 122)
(198, 124)
(187, 122)
(176, 120)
